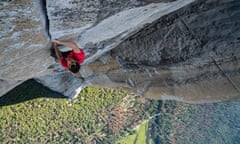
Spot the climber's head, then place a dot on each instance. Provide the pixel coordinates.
(73, 65)
(74, 68)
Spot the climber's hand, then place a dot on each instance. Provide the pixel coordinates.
(56, 41)
(55, 45)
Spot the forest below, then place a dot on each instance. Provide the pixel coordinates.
(32, 113)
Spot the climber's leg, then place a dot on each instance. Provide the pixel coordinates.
(53, 54)
(65, 54)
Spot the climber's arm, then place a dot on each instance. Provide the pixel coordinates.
(58, 53)
(70, 44)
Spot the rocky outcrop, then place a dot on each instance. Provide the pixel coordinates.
(183, 50)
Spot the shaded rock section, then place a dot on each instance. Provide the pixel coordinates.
(200, 31)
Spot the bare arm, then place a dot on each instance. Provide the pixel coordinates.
(70, 44)
(58, 53)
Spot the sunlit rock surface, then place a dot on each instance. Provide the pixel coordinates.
(68, 18)
(22, 40)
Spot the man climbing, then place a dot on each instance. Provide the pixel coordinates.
(70, 60)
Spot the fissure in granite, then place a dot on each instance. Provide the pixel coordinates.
(43, 5)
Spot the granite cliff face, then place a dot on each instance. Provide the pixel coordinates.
(184, 50)
(23, 43)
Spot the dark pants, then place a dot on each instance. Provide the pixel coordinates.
(53, 54)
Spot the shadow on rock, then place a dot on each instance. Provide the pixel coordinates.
(27, 91)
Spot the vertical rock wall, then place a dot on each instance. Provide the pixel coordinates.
(22, 43)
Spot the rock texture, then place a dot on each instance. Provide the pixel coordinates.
(190, 55)
(183, 50)
(68, 18)
(23, 39)
(63, 83)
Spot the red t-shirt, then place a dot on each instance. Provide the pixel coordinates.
(79, 57)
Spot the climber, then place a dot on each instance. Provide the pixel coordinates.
(70, 60)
